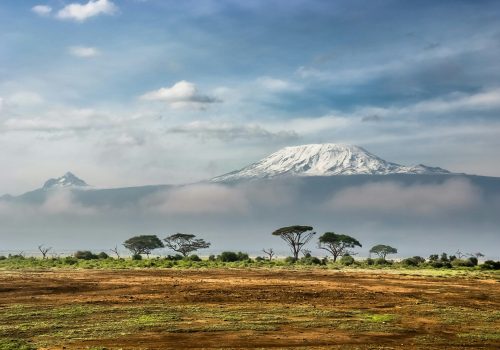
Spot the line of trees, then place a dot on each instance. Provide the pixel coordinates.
(339, 246)
(296, 237)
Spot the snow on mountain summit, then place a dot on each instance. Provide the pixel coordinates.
(323, 160)
(65, 181)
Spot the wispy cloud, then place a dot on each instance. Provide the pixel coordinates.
(229, 131)
(182, 94)
(82, 12)
(42, 10)
(84, 51)
(430, 199)
(277, 85)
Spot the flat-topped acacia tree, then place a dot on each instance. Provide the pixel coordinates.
(383, 250)
(337, 244)
(185, 243)
(296, 237)
(143, 244)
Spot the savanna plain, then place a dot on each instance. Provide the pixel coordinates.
(249, 308)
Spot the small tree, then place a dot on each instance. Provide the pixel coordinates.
(185, 243)
(116, 251)
(337, 244)
(143, 244)
(383, 250)
(44, 250)
(296, 237)
(270, 253)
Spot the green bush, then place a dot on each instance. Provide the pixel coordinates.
(85, 255)
(232, 257)
(70, 260)
(137, 257)
(381, 261)
(347, 260)
(491, 265)
(462, 263)
(370, 261)
(193, 257)
(473, 260)
(2, 257)
(102, 255)
(310, 260)
(290, 260)
(414, 261)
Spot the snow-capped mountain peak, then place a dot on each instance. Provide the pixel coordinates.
(323, 160)
(65, 181)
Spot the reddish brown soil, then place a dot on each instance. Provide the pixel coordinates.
(428, 312)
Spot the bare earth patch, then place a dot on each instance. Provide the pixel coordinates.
(247, 309)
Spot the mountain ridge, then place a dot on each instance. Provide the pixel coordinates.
(323, 160)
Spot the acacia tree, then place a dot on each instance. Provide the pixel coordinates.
(185, 243)
(44, 250)
(383, 250)
(143, 244)
(296, 237)
(337, 244)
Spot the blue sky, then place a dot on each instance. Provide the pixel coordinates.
(152, 91)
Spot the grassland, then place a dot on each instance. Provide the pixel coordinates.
(253, 308)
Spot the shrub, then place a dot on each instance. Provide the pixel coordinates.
(2, 257)
(310, 260)
(491, 265)
(232, 256)
(290, 260)
(16, 256)
(102, 255)
(418, 259)
(347, 260)
(370, 261)
(212, 258)
(175, 257)
(410, 262)
(381, 261)
(462, 263)
(259, 258)
(473, 260)
(85, 255)
(193, 257)
(137, 257)
(70, 260)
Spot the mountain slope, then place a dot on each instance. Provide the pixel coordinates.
(65, 181)
(323, 160)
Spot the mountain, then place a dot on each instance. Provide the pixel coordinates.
(68, 180)
(324, 160)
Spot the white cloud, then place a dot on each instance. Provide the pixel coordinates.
(229, 131)
(429, 199)
(182, 94)
(61, 119)
(83, 51)
(24, 98)
(42, 10)
(277, 85)
(199, 199)
(81, 12)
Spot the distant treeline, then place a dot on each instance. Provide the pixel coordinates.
(339, 246)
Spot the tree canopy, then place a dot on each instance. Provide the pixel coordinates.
(296, 237)
(383, 250)
(337, 244)
(185, 243)
(143, 244)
